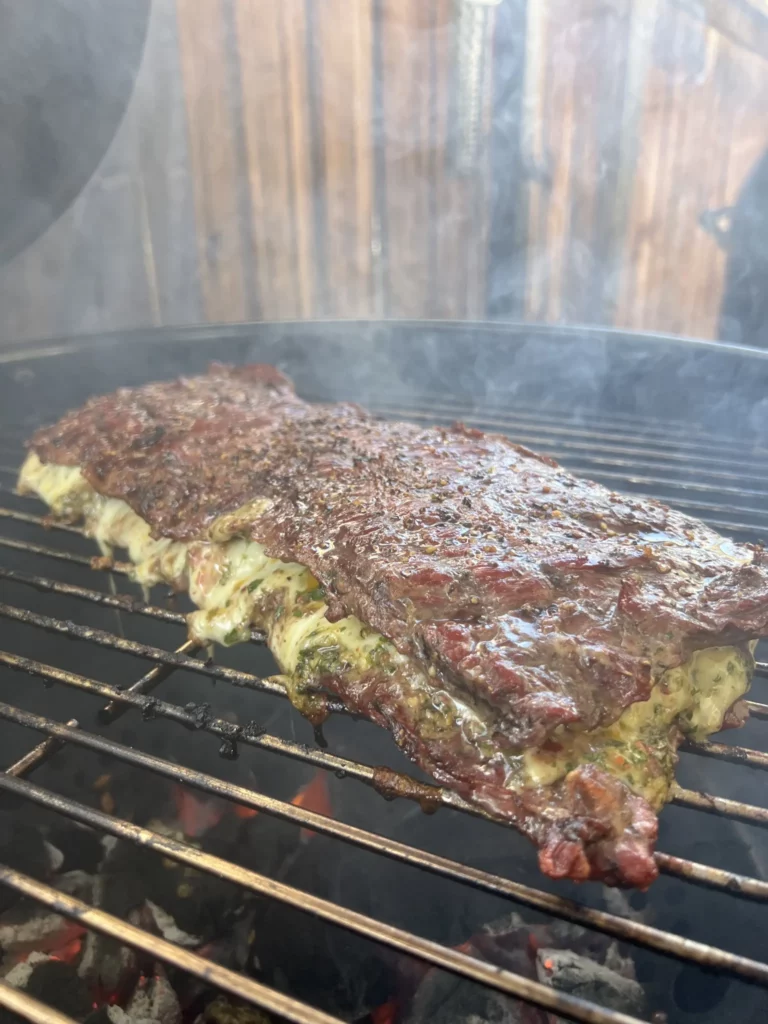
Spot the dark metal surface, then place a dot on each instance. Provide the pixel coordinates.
(645, 415)
(67, 70)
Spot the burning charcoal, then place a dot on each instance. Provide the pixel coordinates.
(22, 846)
(80, 847)
(565, 956)
(165, 925)
(52, 982)
(225, 1011)
(319, 963)
(198, 904)
(153, 1000)
(107, 967)
(577, 975)
(28, 927)
(39, 931)
(445, 999)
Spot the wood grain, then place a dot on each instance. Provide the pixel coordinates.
(300, 160)
(702, 130)
(343, 85)
(205, 61)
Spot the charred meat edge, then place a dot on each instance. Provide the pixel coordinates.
(236, 586)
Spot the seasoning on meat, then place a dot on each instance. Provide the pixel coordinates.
(531, 639)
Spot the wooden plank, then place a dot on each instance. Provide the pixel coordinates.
(272, 47)
(460, 196)
(163, 180)
(403, 27)
(342, 41)
(213, 151)
(436, 213)
(702, 131)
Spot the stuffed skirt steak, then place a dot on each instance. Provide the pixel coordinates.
(532, 640)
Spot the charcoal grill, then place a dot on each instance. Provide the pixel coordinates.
(677, 419)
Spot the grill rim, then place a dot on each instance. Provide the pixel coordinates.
(45, 347)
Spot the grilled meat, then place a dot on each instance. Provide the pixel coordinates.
(531, 639)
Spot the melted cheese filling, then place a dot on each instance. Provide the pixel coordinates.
(235, 586)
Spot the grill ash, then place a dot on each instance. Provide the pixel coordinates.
(98, 981)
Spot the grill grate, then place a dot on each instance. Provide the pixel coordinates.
(709, 476)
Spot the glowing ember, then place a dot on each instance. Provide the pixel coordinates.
(64, 944)
(315, 796)
(385, 1014)
(195, 816)
(69, 952)
(245, 812)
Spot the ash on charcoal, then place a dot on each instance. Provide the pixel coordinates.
(566, 971)
(446, 999)
(168, 928)
(52, 982)
(153, 1000)
(566, 957)
(199, 904)
(28, 927)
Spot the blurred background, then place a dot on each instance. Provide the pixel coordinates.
(561, 161)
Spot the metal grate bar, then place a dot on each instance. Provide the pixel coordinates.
(673, 482)
(38, 755)
(722, 752)
(121, 602)
(126, 603)
(52, 524)
(207, 970)
(758, 710)
(752, 888)
(700, 506)
(113, 710)
(43, 521)
(639, 424)
(166, 662)
(676, 484)
(678, 501)
(744, 812)
(173, 659)
(508, 422)
(250, 734)
(712, 878)
(272, 684)
(30, 1009)
(720, 805)
(700, 467)
(13, 493)
(60, 556)
(622, 928)
(378, 931)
